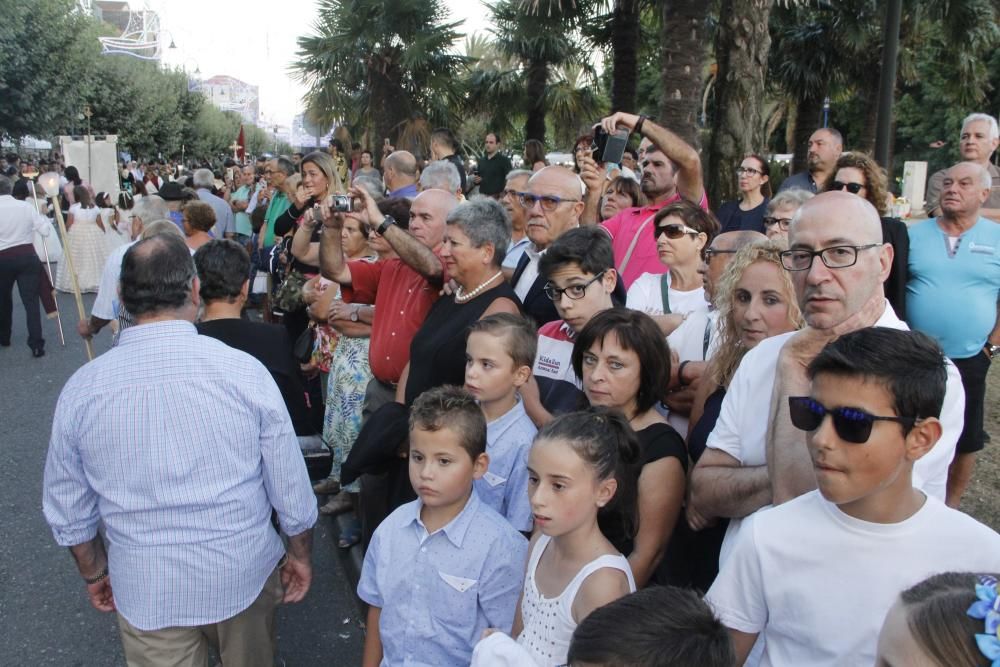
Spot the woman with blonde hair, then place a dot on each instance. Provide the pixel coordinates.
(756, 300)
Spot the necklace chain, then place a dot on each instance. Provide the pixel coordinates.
(461, 296)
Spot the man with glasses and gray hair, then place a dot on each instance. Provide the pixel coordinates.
(755, 457)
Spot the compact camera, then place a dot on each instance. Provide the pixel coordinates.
(341, 203)
(609, 147)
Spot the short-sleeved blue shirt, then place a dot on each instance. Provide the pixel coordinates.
(504, 487)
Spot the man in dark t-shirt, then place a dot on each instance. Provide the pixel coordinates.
(223, 270)
(492, 168)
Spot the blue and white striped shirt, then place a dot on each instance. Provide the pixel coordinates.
(181, 446)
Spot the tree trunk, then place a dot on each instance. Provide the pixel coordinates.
(625, 46)
(742, 45)
(807, 121)
(683, 44)
(869, 90)
(538, 79)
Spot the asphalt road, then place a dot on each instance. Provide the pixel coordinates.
(45, 618)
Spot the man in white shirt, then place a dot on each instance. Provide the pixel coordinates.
(19, 264)
(755, 457)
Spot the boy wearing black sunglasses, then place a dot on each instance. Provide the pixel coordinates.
(816, 575)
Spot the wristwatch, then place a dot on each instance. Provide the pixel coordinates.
(354, 313)
(991, 350)
(387, 222)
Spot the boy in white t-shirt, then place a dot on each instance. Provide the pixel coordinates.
(815, 576)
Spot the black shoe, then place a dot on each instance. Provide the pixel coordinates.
(4, 343)
(38, 351)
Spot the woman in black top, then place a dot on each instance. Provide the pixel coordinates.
(319, 179)
(861, 175)
(747, 213)
(475, 232)
(756, 300)
(623, 360)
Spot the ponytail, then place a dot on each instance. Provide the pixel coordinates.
(604, 439)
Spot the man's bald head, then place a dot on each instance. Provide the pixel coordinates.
(428, 216)
(400, 169)
(720, 253)
(850, 224)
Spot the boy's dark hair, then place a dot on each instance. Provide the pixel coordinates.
(909, 364)
(453, 408)
(519, 337)
(660, 626)
(603, 438)
(588, 247)
(223, 266)
(635, 331)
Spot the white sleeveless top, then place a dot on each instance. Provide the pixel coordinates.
(548, 622)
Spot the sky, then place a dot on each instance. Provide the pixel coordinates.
(248, 41)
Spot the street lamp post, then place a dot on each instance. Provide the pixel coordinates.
(87, 114)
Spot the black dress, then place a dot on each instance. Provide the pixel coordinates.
(894, 233)
(437, 352)
(692, 557)
(658, 441)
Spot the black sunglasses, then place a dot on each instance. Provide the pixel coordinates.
(674, 231)
(851, 424)
(853, 188)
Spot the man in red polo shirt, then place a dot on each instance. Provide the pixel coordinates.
(403, 288)
(671, 169)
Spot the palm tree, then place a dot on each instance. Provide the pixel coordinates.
(684, 39)
(380, 64)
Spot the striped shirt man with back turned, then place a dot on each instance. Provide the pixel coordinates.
(179, 446)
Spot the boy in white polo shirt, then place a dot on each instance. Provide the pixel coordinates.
(815, 576)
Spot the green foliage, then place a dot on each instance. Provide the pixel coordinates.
(380, 64)
(48, 48)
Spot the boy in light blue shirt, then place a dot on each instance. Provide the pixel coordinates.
(444, 567)
(499, 354)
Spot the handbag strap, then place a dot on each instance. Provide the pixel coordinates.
(632, 245)
(665, 292)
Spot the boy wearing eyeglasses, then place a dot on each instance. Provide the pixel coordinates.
(580, 278)
(815, 576)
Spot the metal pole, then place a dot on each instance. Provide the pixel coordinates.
(887, 83)
(48, 265)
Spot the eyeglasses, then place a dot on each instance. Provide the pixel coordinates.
(748, 170)
(709, 253)
(674, 231)
(574, 292)
(549, 203)
(512, 194)
(853, 188)
(834, 257)
(781, 222)
(851, 424)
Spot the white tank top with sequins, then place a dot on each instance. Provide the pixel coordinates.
(548, 622)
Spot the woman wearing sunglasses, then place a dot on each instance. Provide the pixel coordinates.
(676, 299)
(747, 213)
(860, 175)
(756, 300)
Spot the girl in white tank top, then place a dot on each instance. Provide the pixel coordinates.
(578, 464)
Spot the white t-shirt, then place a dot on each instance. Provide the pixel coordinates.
(742, 426)
(688, 339)
(818, 583)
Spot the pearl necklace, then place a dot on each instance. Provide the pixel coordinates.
(461, 296)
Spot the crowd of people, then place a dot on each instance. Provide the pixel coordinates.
(574, 416)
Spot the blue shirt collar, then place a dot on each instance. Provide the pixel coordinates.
(405, 191)
(501, 423)
(455, 529)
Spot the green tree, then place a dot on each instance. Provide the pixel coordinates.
(380, 64)
(49, 47)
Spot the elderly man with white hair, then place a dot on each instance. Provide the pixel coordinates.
(225, 225)
(978, 141)
(952, 294)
